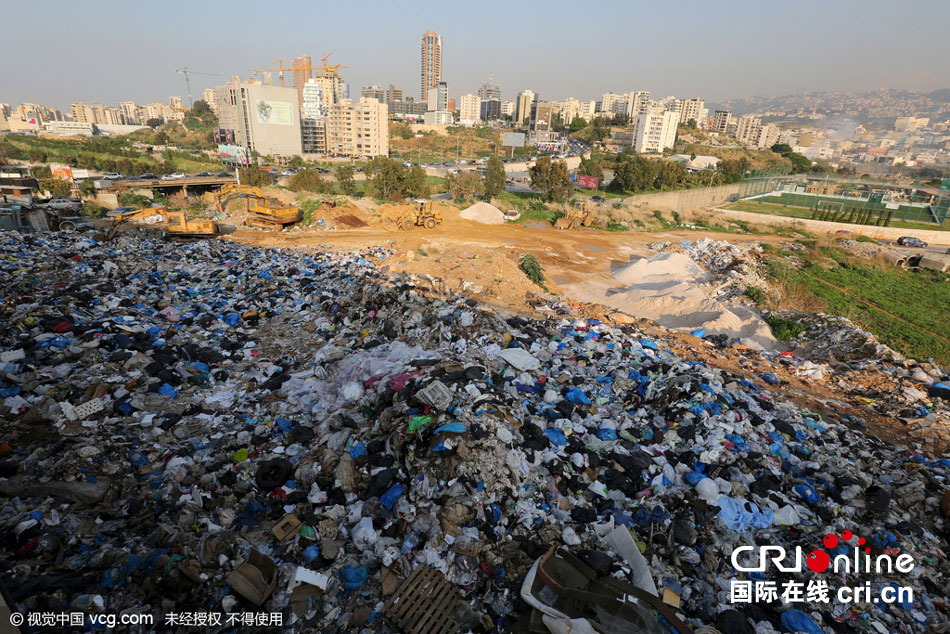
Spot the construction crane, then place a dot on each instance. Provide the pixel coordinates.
(327, 70)
(184, 71)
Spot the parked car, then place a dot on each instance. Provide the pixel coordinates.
(146, 176)
(112, 176)
(62, 203)
(910, 241)
(203, 174)
(598, 199)
(172, 177)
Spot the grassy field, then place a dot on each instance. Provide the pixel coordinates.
(801, 212)
(894, 304)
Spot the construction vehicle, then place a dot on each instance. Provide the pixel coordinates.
(178, 226)
(421, 214)
(575, 217)
(262, 213)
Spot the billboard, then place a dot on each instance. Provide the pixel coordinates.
(222, 135)
(549, 146)
(587, 182)
(233, 154)
(513, 139)
(275, 112)
(63, 172)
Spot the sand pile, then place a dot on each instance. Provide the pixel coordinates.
(485, 213)
(669, 288)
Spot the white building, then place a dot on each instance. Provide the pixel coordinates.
(508, 108)
(655, 132)
(470, 107)
(747, 128)
(606, 103)
(692, 110)
(587, 110)
(313, 106)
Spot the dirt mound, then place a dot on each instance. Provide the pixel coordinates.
(485, 213)
(349, 220)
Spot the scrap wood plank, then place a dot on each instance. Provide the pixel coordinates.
(423, 604)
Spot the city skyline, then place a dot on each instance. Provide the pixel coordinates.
(720, 55)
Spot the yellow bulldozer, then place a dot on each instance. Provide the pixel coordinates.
(421, 214)
(178, 227)
(574, 218)
(262, 213)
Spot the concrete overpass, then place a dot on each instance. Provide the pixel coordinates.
(204, 183)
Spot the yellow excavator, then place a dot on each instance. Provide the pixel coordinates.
(261, 213)
(420, 215)
(575, 217)
(177, 225)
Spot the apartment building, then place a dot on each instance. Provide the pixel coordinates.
(302, 74)
(131, 112)
(470, 107)
(358, 130)
(489, 90)
(210, 98)
(266, 118)
(333, 87)
(508, 108)
(607, 102)
(438, 97)
(392, 94)
(692, 110)
(83, 112)
(431, 68)
(721, 120)
(747, 128)
(374, 92)
(655, 131)
(540, 120)
(768, 136)
(313, 106)
(523, 107)
(490, 110)
(587, 110)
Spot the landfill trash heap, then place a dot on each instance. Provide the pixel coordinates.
(215, 427)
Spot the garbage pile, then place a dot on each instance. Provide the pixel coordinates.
(214, 427)
(735, 266)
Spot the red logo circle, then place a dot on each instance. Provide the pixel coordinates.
(818, 561)
(860, 541)
(830, 540)
(846, 535)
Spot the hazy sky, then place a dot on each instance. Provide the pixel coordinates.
(109, 50)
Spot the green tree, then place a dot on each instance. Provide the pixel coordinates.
(551, 179)
(495, 177)
(557, 122)
(310, 181)
(634, 173)
(578, 124)
(254, 176)
(296, 161)
(55, 186)
(153, 122)
(384, 177)
(590, 167)
(800, 163)
(782, 148)
(344, 177)
(691, 124)
(87, 188)
(466, 185)
(733, 169)
(414, 182)
(201, 109)
(670, 175)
